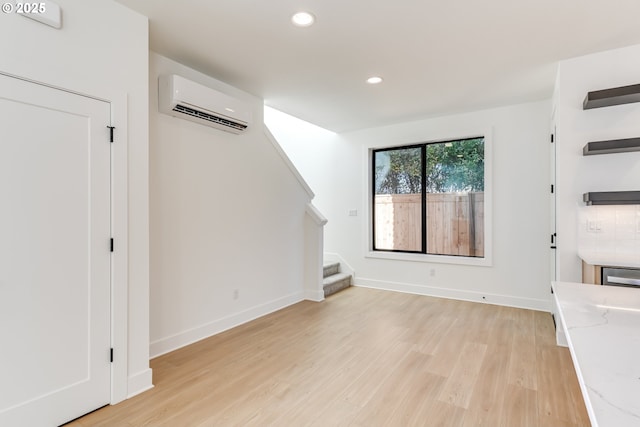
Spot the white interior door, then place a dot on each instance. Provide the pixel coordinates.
(54, 254)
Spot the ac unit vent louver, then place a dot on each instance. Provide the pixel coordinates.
(209, 117)
(192, 101)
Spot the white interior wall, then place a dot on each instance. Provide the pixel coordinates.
(519, 276)
(227, 219)
(310, 148)
(577, 174)
(101, 50)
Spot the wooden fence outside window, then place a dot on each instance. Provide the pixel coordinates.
(455, 223)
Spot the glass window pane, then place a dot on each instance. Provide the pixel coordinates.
(397, 199)
(455, 197)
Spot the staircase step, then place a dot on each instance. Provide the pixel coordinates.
(330, 268)
(336, 283)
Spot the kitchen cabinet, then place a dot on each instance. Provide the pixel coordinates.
(591, 274)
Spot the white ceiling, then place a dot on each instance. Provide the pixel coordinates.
(436, 56)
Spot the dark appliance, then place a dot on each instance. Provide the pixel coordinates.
(618, 276)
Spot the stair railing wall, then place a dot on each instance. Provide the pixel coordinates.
(314, 223)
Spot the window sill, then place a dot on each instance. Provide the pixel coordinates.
(440, 259)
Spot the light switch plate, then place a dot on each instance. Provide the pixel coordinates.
(594, 225)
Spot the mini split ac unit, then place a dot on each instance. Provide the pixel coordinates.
(188, 100)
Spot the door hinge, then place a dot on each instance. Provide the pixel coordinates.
(553, 240)
(552, 188)
(111, 128)
(551, 289)
(111, 354)
(552, 138)
(111, 248)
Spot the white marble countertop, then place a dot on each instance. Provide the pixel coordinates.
(609, 259)
(602, 325)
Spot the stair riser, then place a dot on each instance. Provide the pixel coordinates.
(337, 286)
(330, 270)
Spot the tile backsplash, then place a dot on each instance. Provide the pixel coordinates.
(609, 230)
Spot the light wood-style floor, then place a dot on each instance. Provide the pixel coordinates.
(366, 357)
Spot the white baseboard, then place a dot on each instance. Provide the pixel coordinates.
(459, 294)
(174, 342)
(561, 338)
(140, 382)
(316, 296)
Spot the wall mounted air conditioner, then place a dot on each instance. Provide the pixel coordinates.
(188, 100)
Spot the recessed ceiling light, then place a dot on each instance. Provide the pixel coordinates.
(303, 19)
(374, 80)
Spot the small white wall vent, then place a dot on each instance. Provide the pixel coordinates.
(189, 100)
